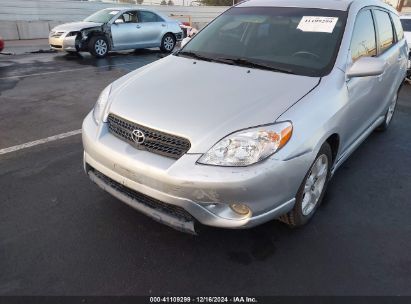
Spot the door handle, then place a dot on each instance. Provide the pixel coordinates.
(163, 25)
(138, 26)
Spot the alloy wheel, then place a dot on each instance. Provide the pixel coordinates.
(168, 43)
(314, 185)
(391, 110)
(100, 47)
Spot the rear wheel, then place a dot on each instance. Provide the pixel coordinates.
(312, 189)
(388, 115)
(98, 46)
(168, 43)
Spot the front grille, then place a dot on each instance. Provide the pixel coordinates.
(56, 46)
(155, 141)
(141, 198)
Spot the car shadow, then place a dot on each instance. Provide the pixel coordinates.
(113, 58)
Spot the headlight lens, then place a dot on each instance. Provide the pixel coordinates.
(248, 147)
(72, 34)
(101, 103)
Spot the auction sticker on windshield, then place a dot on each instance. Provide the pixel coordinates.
(317, 24)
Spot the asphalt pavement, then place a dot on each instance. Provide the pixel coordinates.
(61, 235)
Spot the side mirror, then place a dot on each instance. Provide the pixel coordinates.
(366, 66)
(118, 21)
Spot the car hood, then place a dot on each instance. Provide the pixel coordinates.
(75, 26)
(204, 101)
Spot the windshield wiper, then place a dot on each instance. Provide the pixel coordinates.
(252, 64)
(194, 55)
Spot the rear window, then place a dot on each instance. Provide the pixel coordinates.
(406, 24)
(385, 30)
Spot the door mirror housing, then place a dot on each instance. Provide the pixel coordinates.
(366, 66)
(118, 21)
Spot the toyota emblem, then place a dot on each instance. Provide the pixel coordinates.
(138, 136)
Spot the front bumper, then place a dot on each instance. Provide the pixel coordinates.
(63, 43)
(204, 192)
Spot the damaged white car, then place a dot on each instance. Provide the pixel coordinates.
(116, 29)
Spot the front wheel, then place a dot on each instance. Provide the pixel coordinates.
(98, 46)
(168, 43)
(312, 189)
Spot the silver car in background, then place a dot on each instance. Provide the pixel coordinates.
(115, 29)
(285, 92)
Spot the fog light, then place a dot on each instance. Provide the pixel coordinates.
(240, 208)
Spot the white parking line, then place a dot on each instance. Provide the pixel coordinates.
(39, 142)
(69, 70)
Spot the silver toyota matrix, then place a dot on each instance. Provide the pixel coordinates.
(283, 92)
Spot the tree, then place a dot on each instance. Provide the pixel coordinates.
(170, 2)
(140, 1)
(163, 2)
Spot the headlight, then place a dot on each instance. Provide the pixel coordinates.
(248, 147)
(101, 103)
(72, 34)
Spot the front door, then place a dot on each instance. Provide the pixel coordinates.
(125, 31)
(363, 92)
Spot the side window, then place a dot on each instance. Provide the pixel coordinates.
(385, 30)
(148, 17)
(129, 17)
(398, 26)
(363, 43)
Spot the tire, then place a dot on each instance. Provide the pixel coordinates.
(98, 46)
(388, 115)
(168, 43)
(303, 210)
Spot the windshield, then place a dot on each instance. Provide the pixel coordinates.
(102, 16)
(293, 40)
(406, 24)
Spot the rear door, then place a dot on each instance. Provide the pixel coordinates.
(389, 50)
(151, 28)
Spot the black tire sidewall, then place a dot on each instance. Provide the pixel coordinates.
(299, 217)
(92, 44)
(162, 43)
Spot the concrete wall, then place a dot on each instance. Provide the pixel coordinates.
(31, 19)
